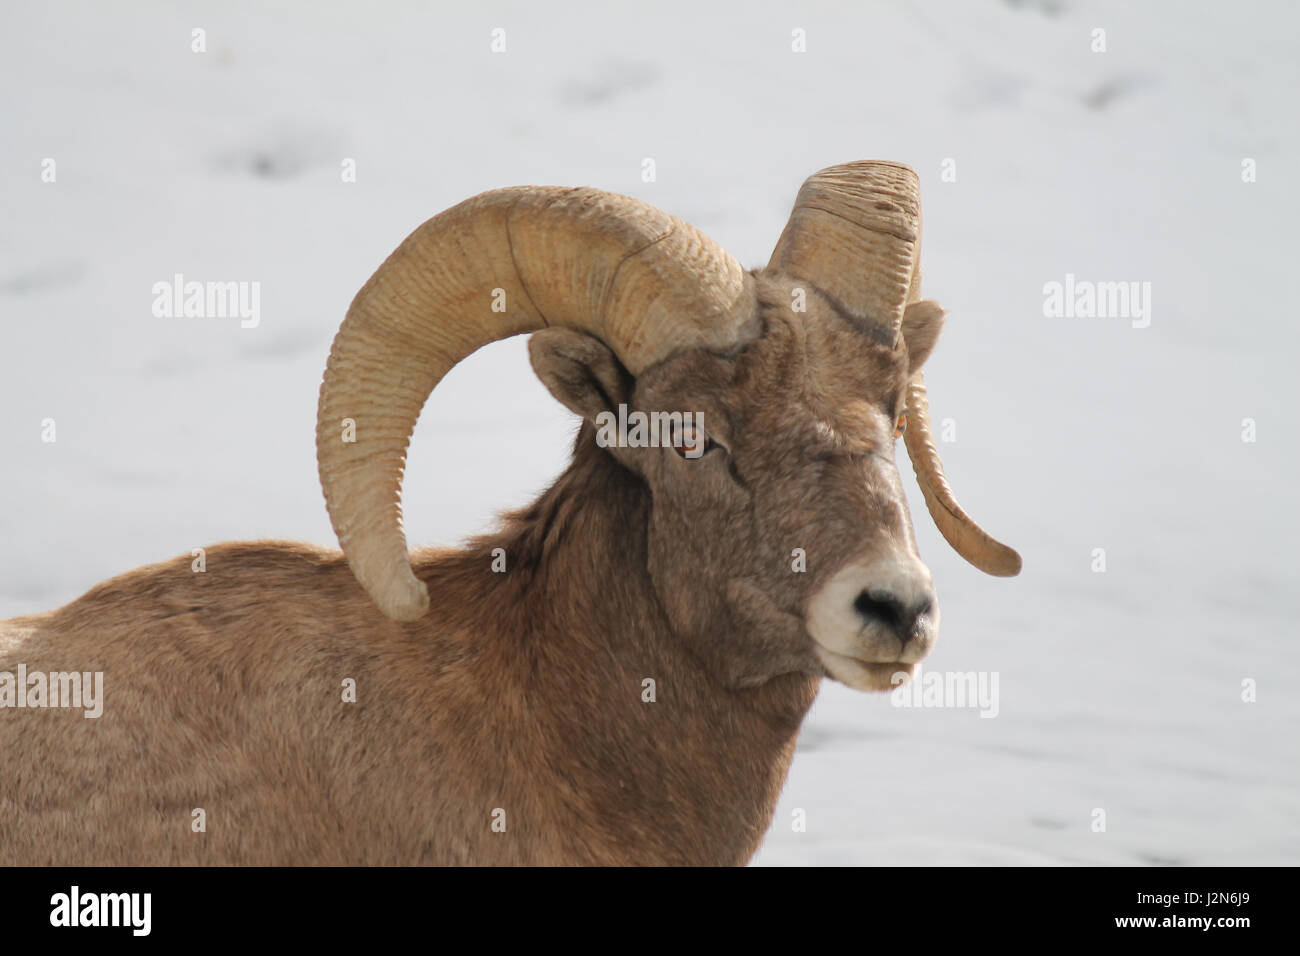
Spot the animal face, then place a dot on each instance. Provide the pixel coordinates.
(779, 538)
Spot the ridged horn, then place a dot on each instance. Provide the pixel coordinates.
(506, 262)
(855, 234)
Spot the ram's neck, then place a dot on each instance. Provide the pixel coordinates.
(647, 753)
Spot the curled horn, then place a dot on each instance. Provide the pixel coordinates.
(644, 282)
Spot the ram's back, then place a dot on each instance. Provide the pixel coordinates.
(258, 711)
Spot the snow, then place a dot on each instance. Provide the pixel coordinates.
(1119, 690)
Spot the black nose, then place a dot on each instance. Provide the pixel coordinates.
(882, 607)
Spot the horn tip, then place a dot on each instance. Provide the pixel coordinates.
(408, 599)
(1005, 563)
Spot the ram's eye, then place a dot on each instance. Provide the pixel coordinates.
(900, 425)
(692, 441)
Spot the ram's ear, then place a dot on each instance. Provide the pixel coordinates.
(580, 371)
(922, 323)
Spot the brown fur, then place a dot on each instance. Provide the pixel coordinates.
(519, 690)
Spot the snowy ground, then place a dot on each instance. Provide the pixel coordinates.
(1119, 690)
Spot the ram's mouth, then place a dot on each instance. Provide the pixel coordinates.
(861, 674)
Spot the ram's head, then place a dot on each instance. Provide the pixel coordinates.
(759, 409)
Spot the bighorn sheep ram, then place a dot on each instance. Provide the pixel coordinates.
(504, 717)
